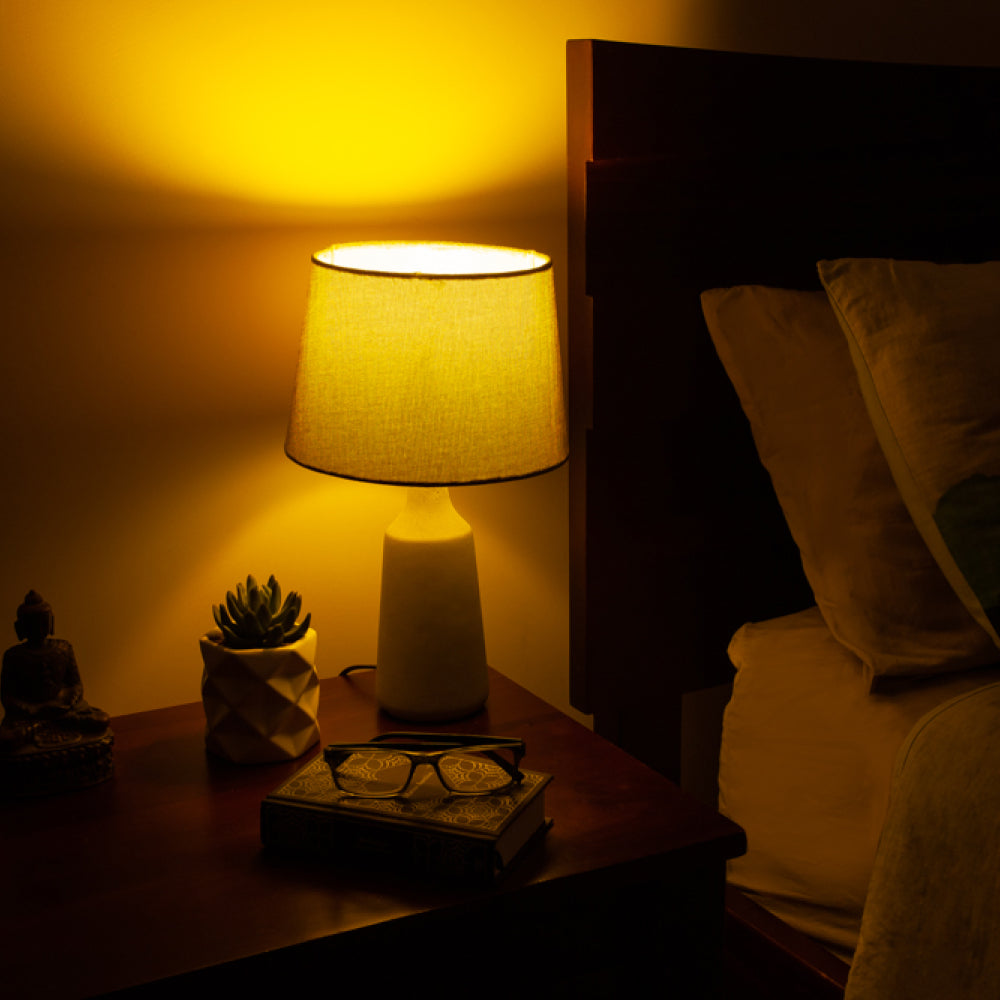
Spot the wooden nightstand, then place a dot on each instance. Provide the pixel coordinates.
(156, 880)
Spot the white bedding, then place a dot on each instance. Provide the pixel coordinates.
(806, 759)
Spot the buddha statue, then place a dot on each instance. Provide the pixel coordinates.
(40, 687)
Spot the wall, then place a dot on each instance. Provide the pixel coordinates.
(166, 170)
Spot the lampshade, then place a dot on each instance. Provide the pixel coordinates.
(430, 364)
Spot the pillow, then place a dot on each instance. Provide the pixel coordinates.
(877, 586)
(925, 341)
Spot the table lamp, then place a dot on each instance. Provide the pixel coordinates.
(429, 365)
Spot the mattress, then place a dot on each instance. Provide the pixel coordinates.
(806, 760)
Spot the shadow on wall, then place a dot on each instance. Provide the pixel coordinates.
(160, 527)
(962, 32)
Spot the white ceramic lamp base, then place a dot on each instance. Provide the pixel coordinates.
(431, 664)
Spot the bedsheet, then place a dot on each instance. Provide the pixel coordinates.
(806, 760)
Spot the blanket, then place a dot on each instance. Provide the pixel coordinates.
(931, 923)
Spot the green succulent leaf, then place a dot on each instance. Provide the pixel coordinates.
(297, 633)
(255, 617)
(232, 639)
(222, 617)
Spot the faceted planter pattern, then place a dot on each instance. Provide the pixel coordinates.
(260, 704)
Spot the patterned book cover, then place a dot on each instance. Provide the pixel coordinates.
(426, 829)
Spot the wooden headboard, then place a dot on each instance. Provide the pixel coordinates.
(688, 170)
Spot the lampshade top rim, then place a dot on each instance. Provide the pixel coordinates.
(447, 482)
(544, 262)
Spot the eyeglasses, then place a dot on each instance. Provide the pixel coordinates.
(466, 765)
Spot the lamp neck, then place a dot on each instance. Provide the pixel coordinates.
(427, 514)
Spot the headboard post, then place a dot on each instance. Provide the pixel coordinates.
(579, 117)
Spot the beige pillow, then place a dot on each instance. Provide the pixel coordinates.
(925, 341)
(879, 589)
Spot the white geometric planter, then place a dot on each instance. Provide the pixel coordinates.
(260, 704)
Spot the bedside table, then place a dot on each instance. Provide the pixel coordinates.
(156, 881)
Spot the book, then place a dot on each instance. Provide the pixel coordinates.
(425, 831)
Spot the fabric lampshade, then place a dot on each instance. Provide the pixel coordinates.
(431, 364)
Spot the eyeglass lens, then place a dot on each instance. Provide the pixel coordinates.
(384, 772)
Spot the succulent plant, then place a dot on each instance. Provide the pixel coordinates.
(255, 617)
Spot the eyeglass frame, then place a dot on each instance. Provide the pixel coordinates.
(438, 744)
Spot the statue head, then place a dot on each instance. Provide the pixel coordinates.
(35, 621)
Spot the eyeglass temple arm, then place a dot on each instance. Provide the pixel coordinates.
(515, 746)
(449, 739)
(399, 741)
(338, 752)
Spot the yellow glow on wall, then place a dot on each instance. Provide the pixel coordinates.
(303, 102)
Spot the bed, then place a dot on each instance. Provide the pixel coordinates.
(709, 635)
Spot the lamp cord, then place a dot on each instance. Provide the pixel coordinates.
(356, 666)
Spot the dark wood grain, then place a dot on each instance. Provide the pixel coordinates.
(159, 873)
